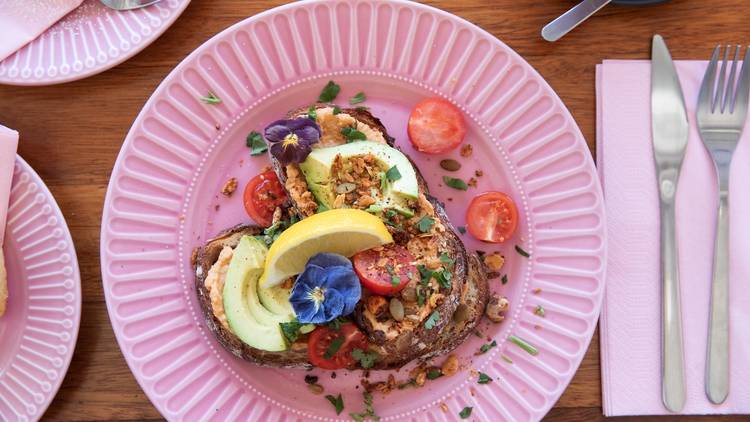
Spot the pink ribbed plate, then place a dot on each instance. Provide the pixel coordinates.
(39, 329)
(90, 39)
(164, 200)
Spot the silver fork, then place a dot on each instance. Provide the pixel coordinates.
(722, 110)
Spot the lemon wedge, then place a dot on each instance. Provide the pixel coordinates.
(342, 231)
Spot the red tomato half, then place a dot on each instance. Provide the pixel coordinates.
(385, 272)
(492, 217)
(322, 355)
(436, 126)
(262, 195)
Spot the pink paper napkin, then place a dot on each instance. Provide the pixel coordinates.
(8, 145)
(631, 322)
(23, 20)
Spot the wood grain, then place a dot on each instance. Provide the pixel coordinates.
(71, 135)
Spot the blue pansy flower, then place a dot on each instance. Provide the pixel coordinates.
(326, 289)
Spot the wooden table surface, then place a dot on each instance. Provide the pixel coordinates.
(71, 135)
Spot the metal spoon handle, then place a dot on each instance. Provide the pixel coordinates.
(555, 30)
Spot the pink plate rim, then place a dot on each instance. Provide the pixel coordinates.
(30, 56)
(569, 124)
(61, 295)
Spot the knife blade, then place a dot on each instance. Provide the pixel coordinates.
(669, 128)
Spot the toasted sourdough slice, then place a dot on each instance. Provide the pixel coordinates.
(399, 342)
(204, 259)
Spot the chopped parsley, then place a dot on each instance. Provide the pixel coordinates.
(369, 410)
(445, 259)
(333, 347)
(484, 378)
(291, 330)
(461, 229)
(522, 252)
(351, 134)
(523, 345)
(443, 278)
(539, 311)
(337, 402)
(358, 98)
(504, 279)
(487, 346)
(432, 320)
(424, 274)
(366, 360)
(395, 280)
(390, 213)
(362, 108)
(434, 374)
(336, 110)
(409, 383)
(211, 98)
(455, 183)
(466, 412)
(420, 295)
(256, 143)
(393, 174)
(312, 113)
(329, 93)
(425, 224)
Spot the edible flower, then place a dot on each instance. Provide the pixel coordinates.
(291, 140)
(326, 289)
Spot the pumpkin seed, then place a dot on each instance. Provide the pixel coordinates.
(397, 309)
(345, 187)
(450, 165)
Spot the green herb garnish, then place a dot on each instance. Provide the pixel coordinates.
(337, 402)
(351, 134)
(443, 278)
(455, 183)
(432, 320)
(362, 108)
(539, 311)
(409, 383)
(211, 98)
(329, 93)
(359, 98)
(434, 374)
(425, 274)
(425, 224)
(461, 229)
(523, 345)
(484, 378)
(420, 295)
(291, 330)
(366, 360)
(504, 279)
(256, 143)
(336, 110)
(336, 323)
(333, 347)
(445, 259)
(369, 410)
(390, 213)
(312, 113)
(395, 280)
(392, 174)
(487, 346)
(522, 252)
(466, 412)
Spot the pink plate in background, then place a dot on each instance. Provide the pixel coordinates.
(40, 326)
(90, 39)
(163, 200)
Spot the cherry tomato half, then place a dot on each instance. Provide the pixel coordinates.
(492, 217)
(323, 353)
(436, 126)
(387, 271)
(262, 195)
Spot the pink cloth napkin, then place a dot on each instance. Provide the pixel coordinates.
(23, 20)
(631, 322)
(8, 145)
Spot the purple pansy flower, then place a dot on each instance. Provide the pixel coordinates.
(326, 289)
(291, 140)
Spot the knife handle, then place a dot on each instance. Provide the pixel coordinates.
(717, 366)
(673, 366)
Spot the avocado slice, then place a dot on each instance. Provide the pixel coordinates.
(317, 171)
(253, 323)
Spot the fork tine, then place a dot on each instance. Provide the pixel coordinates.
(743, 84)
(705, 97)
(721, 82)
(730, 92)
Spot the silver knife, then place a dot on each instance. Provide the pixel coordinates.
(669, 127)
